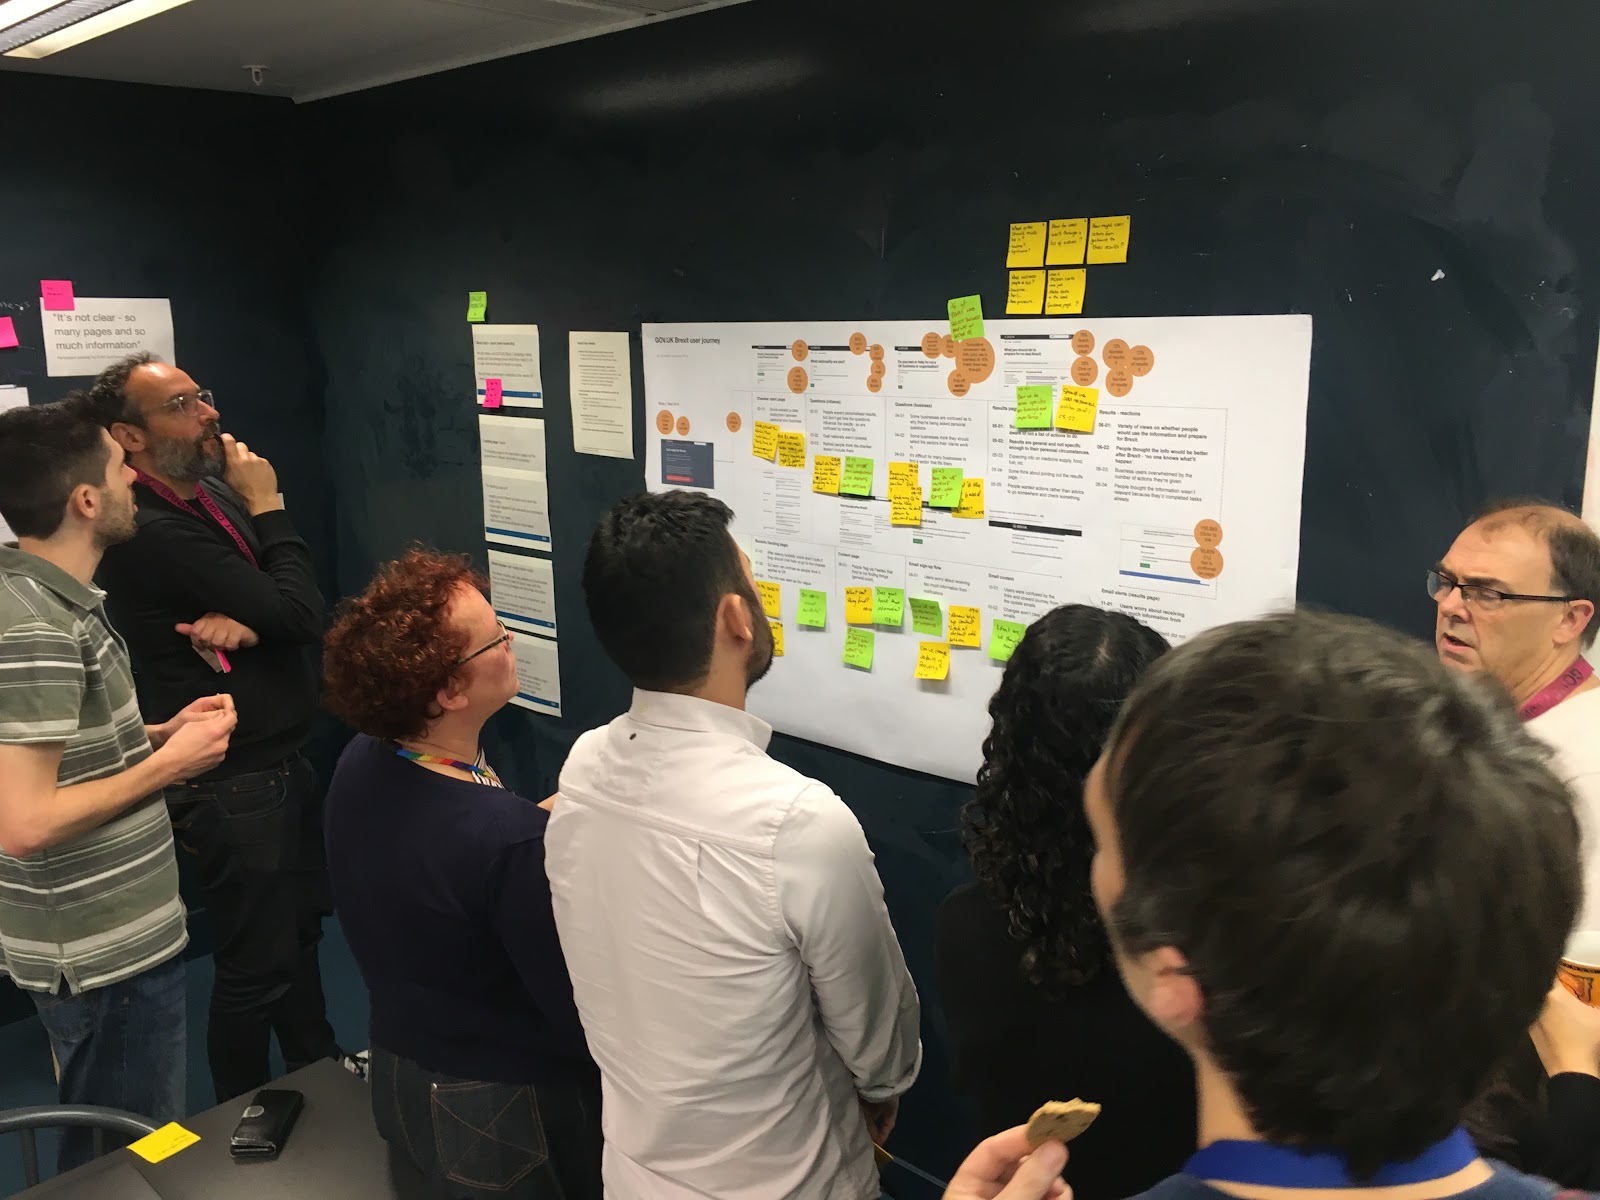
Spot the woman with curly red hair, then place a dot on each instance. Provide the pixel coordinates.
(480, 1073)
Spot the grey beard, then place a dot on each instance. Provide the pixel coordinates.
(184, 461)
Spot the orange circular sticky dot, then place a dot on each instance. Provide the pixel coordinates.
(858, 343)
(947, 346)
(683, 426)
(975, 357)
(1119, 382)
(1115, 353)
(876, 352)
(1207, 562)
(874, 382)
(1083, 342)
(1085, 371)
(797, 379)
(1141, 359)
(734, 422)
(877, 368)
(1208, 534)
(799, 350)
(664, 422)
(958, 383)
(932, 344)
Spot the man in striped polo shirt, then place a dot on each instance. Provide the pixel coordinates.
(90, 921)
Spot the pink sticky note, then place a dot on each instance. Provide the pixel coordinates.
(57, 295)
(491, 393)
(8, 333)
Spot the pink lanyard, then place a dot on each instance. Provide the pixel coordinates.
(211, 506)
(1557, 690)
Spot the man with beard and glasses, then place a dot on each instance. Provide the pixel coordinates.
(217, 593)
(739, 982)
(91, 926)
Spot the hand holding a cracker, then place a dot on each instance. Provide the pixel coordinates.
(1002, 1168)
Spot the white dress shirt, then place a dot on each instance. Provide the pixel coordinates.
(1572, 729)
(738, 978)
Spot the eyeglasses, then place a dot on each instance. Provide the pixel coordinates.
(1441, 585)
(505, 636)
(186, 405)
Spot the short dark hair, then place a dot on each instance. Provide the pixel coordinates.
(46, 451)
(1364, 858)
(1024, 827)
(658, 566)
(1574, 547)
(107, 398)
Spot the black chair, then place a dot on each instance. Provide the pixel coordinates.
(26, 1121)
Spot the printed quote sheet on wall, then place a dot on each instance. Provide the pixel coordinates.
(910, 503)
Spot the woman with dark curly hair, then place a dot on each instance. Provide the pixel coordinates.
(480, 1074)
(1034, 1004)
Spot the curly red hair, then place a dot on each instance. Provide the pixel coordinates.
(392, 648)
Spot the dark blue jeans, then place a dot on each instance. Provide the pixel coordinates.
(254, 843)
(121, 1046)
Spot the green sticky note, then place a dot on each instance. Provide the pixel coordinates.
(857, 477)
(1034, 406)
(946, 489)
(858, 645)
(966, 317)
(813, 609)
(926, 617)
(477, 305)
(1003, 639)
(888, 606)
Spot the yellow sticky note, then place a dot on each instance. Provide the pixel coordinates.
(1067, 239)
(1027, 244)
(1076, 409)
(965, 626)
(902, 474)
(905, 506)
(764, 440)
(1026, 293)
(1108, 239)
(825, 474)
(933, 660)
(971, 499)
(777, 639)
(771, 598)
(791, 448)
(858, 606)
(164, 1142)
(1063, 292)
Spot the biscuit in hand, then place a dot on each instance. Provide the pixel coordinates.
(1060, 1121)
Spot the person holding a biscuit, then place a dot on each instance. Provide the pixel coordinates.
(1341, 878)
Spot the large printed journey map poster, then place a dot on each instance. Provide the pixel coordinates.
(910, 502)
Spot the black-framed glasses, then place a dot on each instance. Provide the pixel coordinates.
(505, 636)
(1441, 585)
(186, 405)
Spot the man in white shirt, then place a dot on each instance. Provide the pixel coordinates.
(739, 981)
(1517, 595)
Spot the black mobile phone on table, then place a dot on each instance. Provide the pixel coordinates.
(265, 1125)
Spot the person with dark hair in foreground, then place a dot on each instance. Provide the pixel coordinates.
(480, 1077)
(1340, 878)
(1023, 949)
(91, 926)
(731, 955)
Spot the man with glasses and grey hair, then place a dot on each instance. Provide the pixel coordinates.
(217, 593)
(1517, 594)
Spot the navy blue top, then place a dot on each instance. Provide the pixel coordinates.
(440, 887)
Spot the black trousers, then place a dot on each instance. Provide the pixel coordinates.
(254, 843)
(474, 1140)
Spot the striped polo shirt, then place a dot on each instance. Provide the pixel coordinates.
(104, 906)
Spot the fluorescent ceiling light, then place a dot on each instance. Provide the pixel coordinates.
(14, 12)
(74, 22)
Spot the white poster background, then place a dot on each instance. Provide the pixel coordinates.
(1215, 431)
(538, 674)
(600, 374)
(509, 353)
(98, 331)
